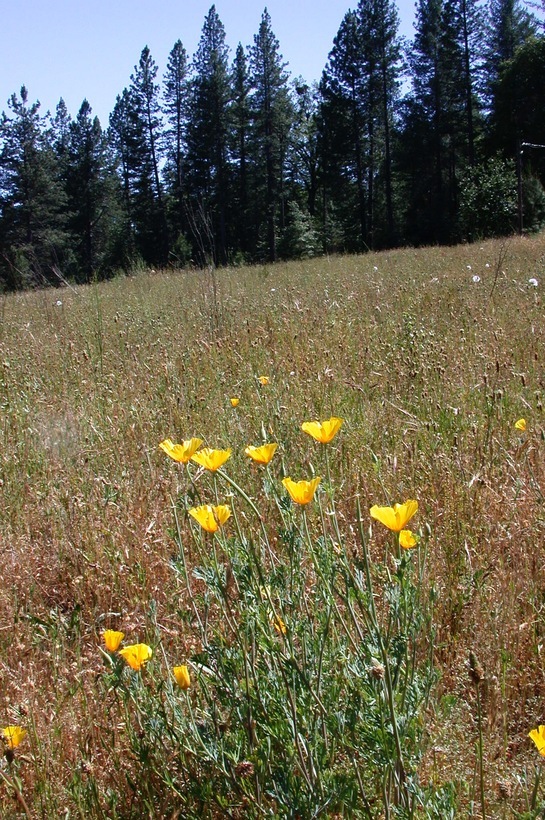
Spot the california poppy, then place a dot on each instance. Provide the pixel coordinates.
(301, 491)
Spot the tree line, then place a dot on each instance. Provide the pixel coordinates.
(226, 161)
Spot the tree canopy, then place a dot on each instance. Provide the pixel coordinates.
(227, 159)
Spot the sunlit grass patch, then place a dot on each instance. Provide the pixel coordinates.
(432, 375)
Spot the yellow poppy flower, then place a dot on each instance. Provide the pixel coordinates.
(136, 655)
(407, 540)
(262, 454)
(210, 518)
(13, 735)
(538, 736)
(181, 673)
(181, 452)
(211, 459)
(521, 425)
(234, 401)
(301, 491)
(278, 624)
(263, 379)
(323, 431)
(396, 517)
(112, 639)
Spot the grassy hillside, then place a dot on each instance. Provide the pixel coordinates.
(430, 356)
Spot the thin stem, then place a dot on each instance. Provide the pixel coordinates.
(481, 763)
(388, 683)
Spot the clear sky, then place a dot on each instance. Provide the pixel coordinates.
(78, 49)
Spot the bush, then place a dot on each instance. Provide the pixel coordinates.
(488, 200)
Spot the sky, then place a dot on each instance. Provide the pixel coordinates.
(76, 49)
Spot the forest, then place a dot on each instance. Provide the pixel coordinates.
(228, 160)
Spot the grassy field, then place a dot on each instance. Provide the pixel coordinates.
(329, 672)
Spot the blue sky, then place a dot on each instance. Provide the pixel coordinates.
(77, 49)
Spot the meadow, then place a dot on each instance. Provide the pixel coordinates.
(325, 669)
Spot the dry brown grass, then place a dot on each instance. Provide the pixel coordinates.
(430, 370)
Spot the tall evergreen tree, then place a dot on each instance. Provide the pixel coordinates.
(33, 238)
(124, 145)
(175, 109)
(379, 24)
(518, 108)
(435, 133)
(207, 143)
(343, 119)
(91, 195)
(303, 157)
(147, 131)
(509, 26)
(240, 120)
(272, 116)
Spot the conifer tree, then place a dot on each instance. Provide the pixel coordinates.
(125, 149)
(175, 110)
(272, 117)
(91, 195)
(144, 110)
(435, 134)
(240, 121)
(207, 143)
(342, 133)
(303, 157)
(379, 24)
(33, 239)
(510, 25)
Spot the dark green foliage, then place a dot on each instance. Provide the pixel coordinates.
(272, 116)
(510, 25)
(360, 88)
(33, 230)
(488, 200)
(300, 239)
(175, 108)
(533, 204)
(240, 115)
(233, 163)
(147, 192)
(518, 105)
(92, 197)
(207, 142)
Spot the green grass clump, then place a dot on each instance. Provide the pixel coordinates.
(329, 668)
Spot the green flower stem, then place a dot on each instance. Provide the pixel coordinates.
(332, 497)
(257, 563)
(239, 490)
(186, 575)
(296, 733)
(249, 501)
(320, 573)
(192, 481)
(388, 683)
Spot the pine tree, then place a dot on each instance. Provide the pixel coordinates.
(272, 117)
(303, 157)
(91, 196)
(207, 143)
(33, 239)
(175, 109)
(240, 122)
(147, 132)
(124, 147)
(343, 127)
(510, 25)
(379, 24)
(435, 135)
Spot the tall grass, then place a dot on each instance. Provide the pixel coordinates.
(429, 368)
